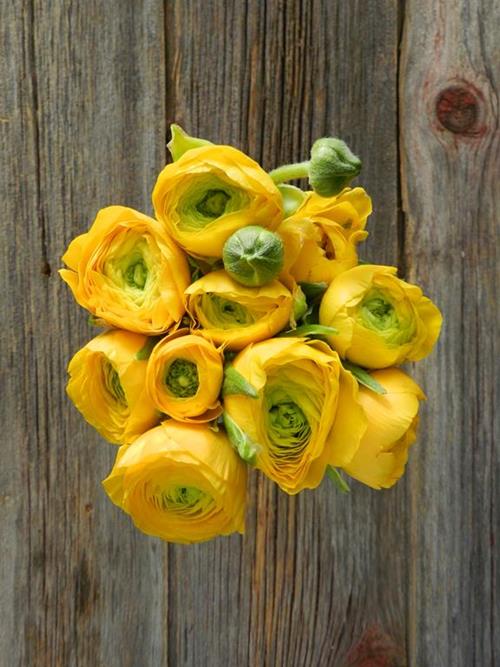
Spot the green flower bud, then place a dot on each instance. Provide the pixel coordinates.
(299, 304)
(332, 166)
(253, 256)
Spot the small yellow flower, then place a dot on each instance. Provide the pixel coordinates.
(107, 383)
(349, 209)
(306, 415)
(234, 315)
(392, 422)
(180, 482)
(184, 377)
(209, 193)
(382, 320)
(128, 272)
(317, 249)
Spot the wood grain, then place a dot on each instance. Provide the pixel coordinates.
(82, 126)
(388, 579)
(450, 168)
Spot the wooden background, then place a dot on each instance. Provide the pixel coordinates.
(376, 579)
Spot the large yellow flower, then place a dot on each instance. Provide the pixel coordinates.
(392, 422)
(180, 482)
(128, 272)
(107, 383)
(234, 315)
(184, 377)
(306, 415)
(209, 193)
(382, 320)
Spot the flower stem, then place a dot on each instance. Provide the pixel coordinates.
(289, 172)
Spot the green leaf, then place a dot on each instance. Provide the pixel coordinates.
(181, 142)
(363, 377)
(309, 330)
(337, 479)
(313, 290)
(247, 450)
(145, 351)
(235, 383)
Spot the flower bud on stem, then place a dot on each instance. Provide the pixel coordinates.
(331, 168)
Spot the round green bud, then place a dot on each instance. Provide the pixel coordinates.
(253, 256)
(332, 166)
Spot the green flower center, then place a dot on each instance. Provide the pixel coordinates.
(213, 203)
(207, 198)
(225, 313)
(112, 383)
(136, 274)
(287, 425)
(178, 498)
(182, 378)
(378, 313)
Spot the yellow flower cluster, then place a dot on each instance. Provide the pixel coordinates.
(241, 330)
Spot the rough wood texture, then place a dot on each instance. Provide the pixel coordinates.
(404, 577)
(450, 81)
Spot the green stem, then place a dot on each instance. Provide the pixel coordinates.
(289, 172)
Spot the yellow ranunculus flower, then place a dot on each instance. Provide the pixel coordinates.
(392, 422)
(180, 482)
(107, 383)
(209, 193)
(349, 209)
(306, 415)
(317, 249)
(382, 320)
(128, 272)
(184, 377)
(234, 315)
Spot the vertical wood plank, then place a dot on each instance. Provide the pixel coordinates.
(319, 579)
(450, 80)
(82, 126)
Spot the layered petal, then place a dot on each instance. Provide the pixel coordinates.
(127, 271)
(306, 415)
(184, 377)
(381, 319)
(392, 422)
(107, 383)
(180, 482)
(234, 315)
(209, 193)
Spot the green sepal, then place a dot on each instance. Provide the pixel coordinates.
(94, 321)
(337, 479)
(300, 307)
(181, 142)
(145, 351)
(363, 377)
(313, 290)
(247, 450)
(292, 197)
(235, 383)
(307, 330)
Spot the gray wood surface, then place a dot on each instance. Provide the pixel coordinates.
(387, 579)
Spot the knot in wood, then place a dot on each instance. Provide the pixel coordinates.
(457, 109)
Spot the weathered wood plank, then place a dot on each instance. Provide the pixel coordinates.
(451, 163)
(82, 126)
(318, 577)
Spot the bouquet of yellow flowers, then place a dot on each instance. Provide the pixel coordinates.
(242, 331)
